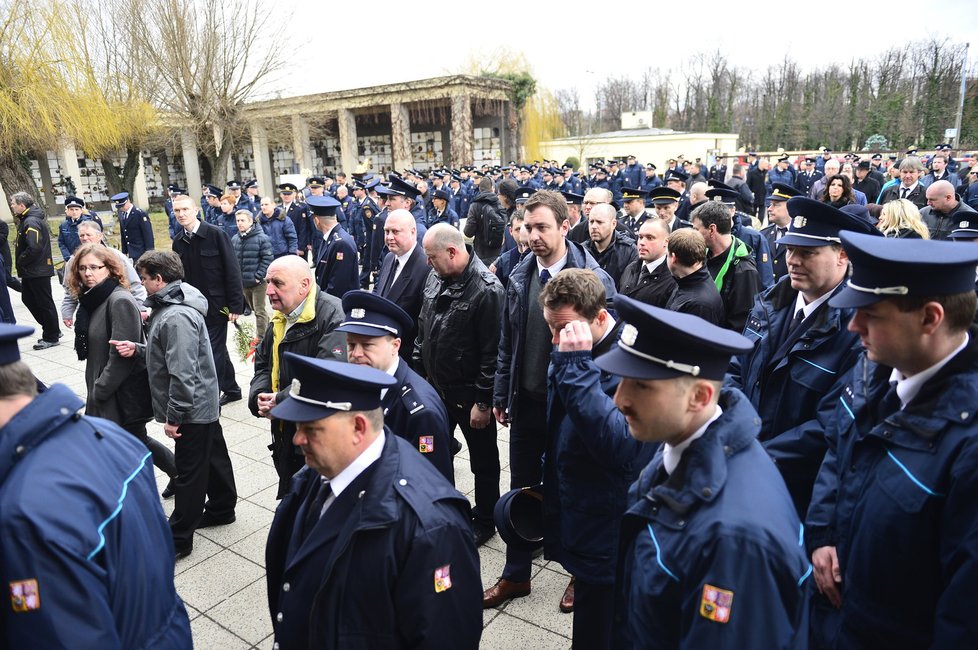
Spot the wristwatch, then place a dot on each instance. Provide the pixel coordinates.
(482, 406)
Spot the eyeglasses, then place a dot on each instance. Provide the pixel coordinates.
(94, 267)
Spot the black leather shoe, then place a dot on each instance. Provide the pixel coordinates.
(227, 398)
(184, 552)
(44, 345)
(456, 446)
(209, 520)
(482, 533)
(167, 492)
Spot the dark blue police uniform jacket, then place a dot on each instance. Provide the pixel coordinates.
(787, 379)
(414, 411)
(758, 246)
(305, 229)
(336, 266)
(896, 497)
(779, 254)
(712, 556)
(591, 460)
(365, 575)
(81, 525)
(136, 233)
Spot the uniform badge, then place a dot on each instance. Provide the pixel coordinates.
(964, 224)
(763, 257)
(716, 604)
(296, 387)
(629, 334)
(339, 257)
(800, 222)
(24, 595)
(338, 352)
(426, 444)
(443, 578)
(357, 312)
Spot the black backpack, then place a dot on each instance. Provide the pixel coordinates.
(494, 226)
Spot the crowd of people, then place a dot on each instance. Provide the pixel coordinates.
(737, 397)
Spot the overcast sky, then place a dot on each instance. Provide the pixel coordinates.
(566, 47)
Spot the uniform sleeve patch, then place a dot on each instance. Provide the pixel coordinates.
(716, 604)
(339, 257)
(763, 257)
(426, 444)
(25, 597)
(443, 578)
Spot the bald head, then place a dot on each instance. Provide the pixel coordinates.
(940, 196)
(697, 192)
(400, 232)
(289, 282)
(445, 249)
(442, 236)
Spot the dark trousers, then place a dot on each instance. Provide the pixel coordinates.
(163, 458)
(483, 456)
(36, 294)
(285, 456)
(527, 442)
(217, 332)
(204, 474)
(6, 309)
(594, 608)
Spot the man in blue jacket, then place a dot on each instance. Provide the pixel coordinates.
(893, 525)
(520, 392)
(802, 348)
(371, 547)
(590, 459)
(135, 229)
(85, 549)
(711, 552)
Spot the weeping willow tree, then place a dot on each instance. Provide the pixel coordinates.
(541, 121)
(52, 86)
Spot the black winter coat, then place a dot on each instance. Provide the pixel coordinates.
(254, 253)
(33, 249)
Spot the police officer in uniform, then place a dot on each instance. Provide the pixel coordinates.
(412, 408)
(709, 554)
(665, 202)
(633, 209)
(371, 547)
(893, 517)
(778, 215)
(801, 345)
(336, 263)
(87, 552)
(135, 229)
(300, 215)
(676, 179)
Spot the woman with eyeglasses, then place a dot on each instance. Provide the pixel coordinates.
(107, 311)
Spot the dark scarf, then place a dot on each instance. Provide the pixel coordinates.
(88, 302)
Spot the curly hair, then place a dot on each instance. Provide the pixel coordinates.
(102, 253)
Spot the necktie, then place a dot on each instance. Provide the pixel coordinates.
(187, 236)
(390, 278)
(904, 191)
(796, 321)
(316, 508)
(644, 276)
(544, 276)
(781, 233)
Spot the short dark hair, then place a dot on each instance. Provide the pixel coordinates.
(548, 199)
(714, 213)
(165, 264)
(17, 379)
(959, 308)
(688, 246)
(485, 184)
(579, 289)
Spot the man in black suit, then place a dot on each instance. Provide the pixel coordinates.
(403, 272)
(210, 265)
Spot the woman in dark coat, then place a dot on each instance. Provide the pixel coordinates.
(838, 192)
(107, 311)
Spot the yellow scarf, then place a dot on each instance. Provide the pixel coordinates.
(279, 321)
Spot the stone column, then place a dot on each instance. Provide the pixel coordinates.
(140, 194)
(347, 125)
(400, 136)
(301, 149)
(263, 168)
(461, 136)
(68, 159)
(191, 165)
(5, 213)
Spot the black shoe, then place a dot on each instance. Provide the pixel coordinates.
(167, 492)
(209, 520)
(227, 398)
(183, 552)
(247, 311)
(482, 533)
(456, 446)
(44, 345)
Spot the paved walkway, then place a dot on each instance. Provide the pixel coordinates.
(223, 581)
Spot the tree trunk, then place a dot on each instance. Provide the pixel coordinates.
(123, 182)
(15, 177)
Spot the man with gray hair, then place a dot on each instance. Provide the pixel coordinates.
(456, 347)
(909, 187)
(89, 232)
(832, 167)
(35, 266)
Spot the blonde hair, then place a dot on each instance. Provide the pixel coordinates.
(901, 214)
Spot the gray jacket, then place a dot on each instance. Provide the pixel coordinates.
(182, 377)
(105, 371)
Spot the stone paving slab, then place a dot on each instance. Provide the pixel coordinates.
(223, 581)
